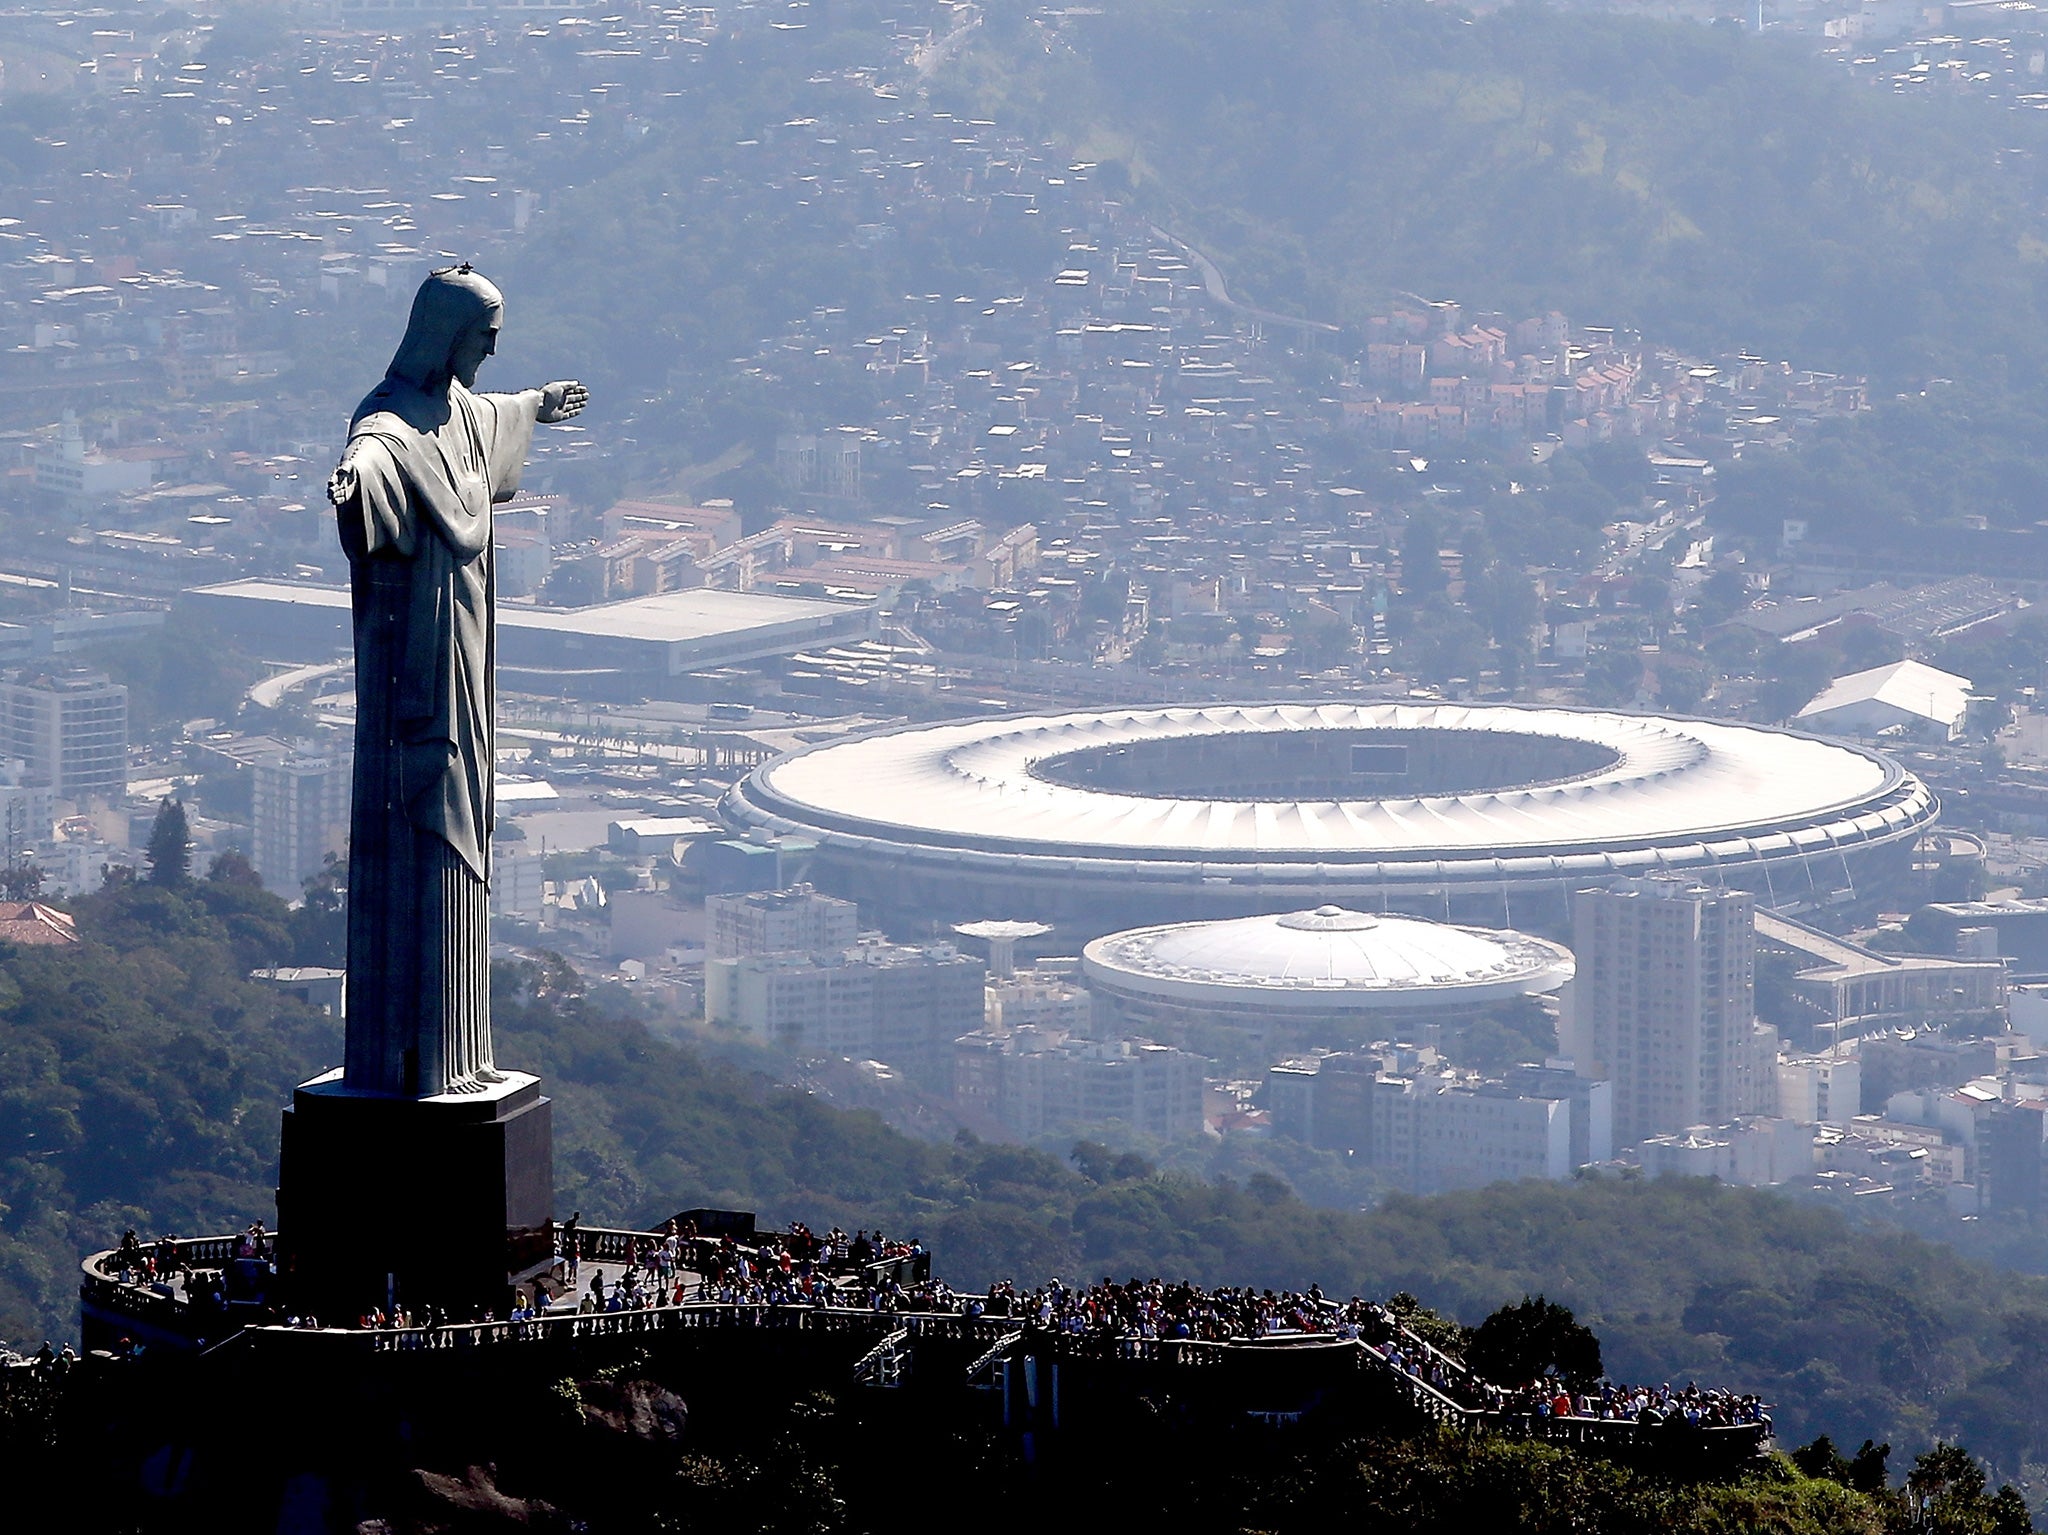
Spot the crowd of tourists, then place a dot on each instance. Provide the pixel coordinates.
(1536, 1400)
(679, 1266)
(47, 1360)
(1648, 1405)
(1107, 1312)
(867, 1271)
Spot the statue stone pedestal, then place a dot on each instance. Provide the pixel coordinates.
(441, 1200)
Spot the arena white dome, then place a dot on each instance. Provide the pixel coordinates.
(1329, 961)
(1098, 817)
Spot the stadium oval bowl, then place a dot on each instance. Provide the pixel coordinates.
(1493, 813)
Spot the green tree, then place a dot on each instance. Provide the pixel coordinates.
(1442, 642)
(1682, 681)
(319, 923)
(169, 853)
(1432, 1327)
(1534, 1338)
(1795, 674)
(1722, 595)
(1422, 566)
(1613, 676)
(1322, 639)
(233, 868)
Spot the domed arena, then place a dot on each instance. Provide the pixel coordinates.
(1483, 813)
(1326, 961)
(1327, 977)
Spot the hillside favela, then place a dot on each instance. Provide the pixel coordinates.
(821, 765)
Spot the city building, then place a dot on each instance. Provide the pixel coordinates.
(1907, 1059)
(1396, 1109)
(1034, 1080)
(1431, 1135)
(1325, 1099)
(1905, 698)
(1904, 1157)
(794, 921)
(1041, 998)
(1757, 1151)
(1820, 1089)
(899, 1005)
(746, 865)
(70, 729)
(1841, 990)
(657, 836)
(34, 925)
(26, 813)
(1592, 1102)
(299, 816)
(643, 923)
(643, 642)
(83, 477)
(1663, 1005)
(523, 548)
(1962, 1114)
(2016, 927)
(2010, 1176)
(320, 986)
(518, 883)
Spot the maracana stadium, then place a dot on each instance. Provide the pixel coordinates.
(1479, 813)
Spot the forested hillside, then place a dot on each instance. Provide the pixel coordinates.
(1710, 187)
(141, 1078)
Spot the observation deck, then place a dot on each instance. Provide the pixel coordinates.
(215, 1288)
(880, 1323)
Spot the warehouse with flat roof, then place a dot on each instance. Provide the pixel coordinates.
(642, 639)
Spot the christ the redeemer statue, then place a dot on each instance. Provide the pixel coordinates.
(426, 458)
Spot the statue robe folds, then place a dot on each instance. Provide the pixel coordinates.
(417, 531)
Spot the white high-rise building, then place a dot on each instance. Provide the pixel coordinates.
(1820, 1089)
(70, 729)
(901, 1005)
(1432, 1136)
(300, 815)
(1038, 999)
(1664, 1005)
(26, 820)
(793, 921)
(1035, 1080)
(1393, 1108)
(518, 884)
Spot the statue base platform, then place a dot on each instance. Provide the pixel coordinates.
(441, 1201)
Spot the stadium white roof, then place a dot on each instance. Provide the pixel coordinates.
(1707, 789)
(1328, 960)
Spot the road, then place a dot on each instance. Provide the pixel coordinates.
(1219, 292)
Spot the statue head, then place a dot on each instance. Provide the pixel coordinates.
(454, 327)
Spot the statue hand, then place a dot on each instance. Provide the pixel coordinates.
(341, 485)
(561, 400)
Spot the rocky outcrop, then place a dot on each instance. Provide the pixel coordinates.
(638, 1410)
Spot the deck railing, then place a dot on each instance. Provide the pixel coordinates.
(989, 1335)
